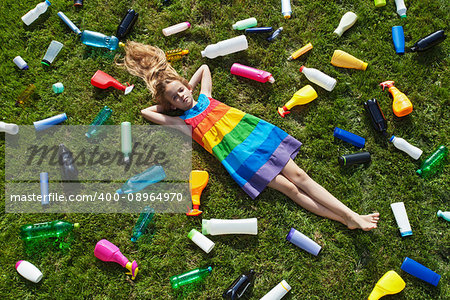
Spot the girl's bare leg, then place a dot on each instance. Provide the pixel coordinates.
(322, 196)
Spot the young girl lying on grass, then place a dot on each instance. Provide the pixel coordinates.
(255, 153)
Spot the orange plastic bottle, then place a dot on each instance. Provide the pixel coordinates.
(401, 106)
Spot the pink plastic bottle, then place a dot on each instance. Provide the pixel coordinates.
(251, 73)
(107, 251)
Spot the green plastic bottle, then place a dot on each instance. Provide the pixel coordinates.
(45, 230)
(144, 219)
(432, 163)
(189, 277)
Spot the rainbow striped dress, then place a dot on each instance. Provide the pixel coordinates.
(252, 150)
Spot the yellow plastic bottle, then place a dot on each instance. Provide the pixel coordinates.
(390, 283)
(303, 96)
(344, 60)
(401, 106)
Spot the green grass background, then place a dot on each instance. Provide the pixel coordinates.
(351, 261)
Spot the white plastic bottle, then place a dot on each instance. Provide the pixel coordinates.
(29, 271)
(225, 47)
(347, 21)
(125, 135)
(319, 78)
(286, 9)
(33, 14)
(239, 226)
(200, 240)
(278, 291)
(401, 8)
(9, 128)
(244, 24)
(403, 145)
(176, 28)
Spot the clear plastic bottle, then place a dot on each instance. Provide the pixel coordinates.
(33, 14)
(225, 47)
(144, 219)
(176, 28)
(406, 147)
(97, 39)
(69, 171)
(189, 277)
(347, 21)
(140, 181)
(319, 78)
(46, 230)
(9, 128)
(52, 52)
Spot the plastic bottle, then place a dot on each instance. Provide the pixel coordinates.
(300, 51)
(303, 96)
(69, 23)
(69, 171)
(49, 122)
(243, 24)
(176, 28)
(347, 21)
(126, 24)
(125, 137)
(97, 39)
(349, 137)
(200, 240)
(176, 54)
(258, 30)
(429, 41)
(376, 116)
(319, 78)
(189, 277)
(302, 241)
(225, 47)
(43, 183)
(401, 105)
(107, 251)
(401, 8)
(103, 81)
(406, 147)
(29, 271)
(33, 14)
(20, 63)
(444, 215)
(140, 181)
(197, 182)
(275, 34)
(51, 53)
(25, 95)
(278, 292)
(239, 226)
(344, 60)
(380, 3)
(401, 217)
(9, 128)
(355, 158)
(53, 229)
(101, 118)
(398, 37)
(251, 73)
(238, 288)
(390, 283)
(286, 9)
(420, 271)
(431, 164)
(144, 219)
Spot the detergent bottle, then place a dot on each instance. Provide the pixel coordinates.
(401, 106)
(303, 96)
(104, 81)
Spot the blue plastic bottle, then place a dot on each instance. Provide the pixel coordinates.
(349, 137)
(138, 182)
(398, 37)
(144, 219)
(420, 271)
(97, 39)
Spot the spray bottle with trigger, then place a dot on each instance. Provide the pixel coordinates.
(401, 106)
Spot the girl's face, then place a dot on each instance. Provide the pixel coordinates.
(179, 96)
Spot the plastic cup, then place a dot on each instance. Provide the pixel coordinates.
(302, 241)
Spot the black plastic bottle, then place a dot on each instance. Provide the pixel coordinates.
(239, 286)
(429, 41)
(355, 158)
(69, 171)
(376, 115)
(126, 24)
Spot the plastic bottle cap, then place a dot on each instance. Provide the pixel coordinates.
(48, 2)
(209, 269)
(192, 233)
(76, 225)
(188, 24)
(203, 53)
(271, 79)
(403, 17)
(392, 138)
(364, 66)
(119, 191)
(301, 68)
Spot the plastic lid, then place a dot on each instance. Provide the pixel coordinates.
(18, 263)
(76, 225)
(290, 234)
(364, 66)
(48, 2)
(209, 269)
(271, 79)
(342, 161)
(403, 17)
(188, 24)
(419, 172)
(301, 68)
(203, 53)
(406, 233)
(204, 227)
(192, 233)
(285, 285)
(392, 138)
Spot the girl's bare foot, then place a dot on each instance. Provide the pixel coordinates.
(365, 222)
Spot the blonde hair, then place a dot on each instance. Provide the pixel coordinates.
(150, 64)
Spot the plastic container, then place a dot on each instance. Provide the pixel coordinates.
(278, 292)
(140, 181)
(145, 218)
(69, 23)
(303, 96)
(420, 271)
(432, 164)
(53, 229)
(401, 8)
(286, 9)
(354, 159)
(103, 81)
(243, 24)
(429, 41)
(58, 88)
(319, 78)
(196, 275)
(226, 47)
(97, 39)
(101, 119)
(126, 24)
(275, 34)
(25, 95)
(376, 116)
(43, 182)
(391, 283)
(238, 288)
(51, 53)
(444, 215)
(9, 128)
(197, 182)
(20, 63)
(176, 54)
(380, 3)
(49, 122)
(401, 105)
(176, 28)
(302, 241)
(344, 60)
(406, 147)
(200, 240)
(258, 30)
(238, 226)
(347, 21)
(29, 271)
(398, 37)
(107, 251)
(33, 14)
(401, 217)
(126, 143)
(300, 51)
(68, 168)
(349, 137)
(251, 73)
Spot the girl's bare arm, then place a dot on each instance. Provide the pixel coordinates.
(156, 115)
(202, 76)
